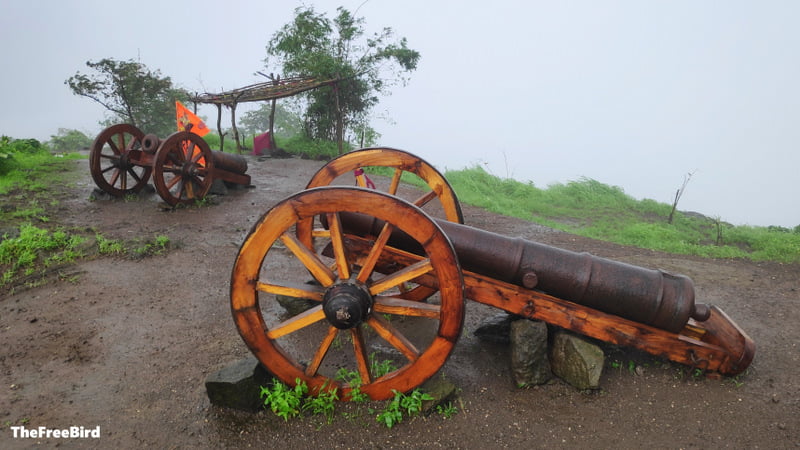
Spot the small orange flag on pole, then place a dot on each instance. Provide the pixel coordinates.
(184, 118)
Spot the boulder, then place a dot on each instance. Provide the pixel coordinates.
(576, 360)
(496, 329)
(238, 385)
(529, 359)
(441, 389)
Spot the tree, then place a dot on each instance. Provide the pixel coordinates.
(287, 122)
(132, 93)
(313, 45)
(69, 140)
(678, 195)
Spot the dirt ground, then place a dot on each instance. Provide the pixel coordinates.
(127, 345)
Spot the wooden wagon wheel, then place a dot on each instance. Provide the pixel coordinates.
(395, 344)
(402, 162)
(182, 170)
(338, 170)
(115, 160)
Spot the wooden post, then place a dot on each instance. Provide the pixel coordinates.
(339, 123)
(272, 149)
(219, 128)
(233, 127)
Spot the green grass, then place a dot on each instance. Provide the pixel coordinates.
(589, 208)
(36, 249)
(33, 246)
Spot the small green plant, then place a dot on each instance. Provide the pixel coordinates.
(391, 414)
(323, 403)
(353, 379)
(108, 246)
(737, 380)
(156, 247)
(282, 400)
(380, 368)
(411, 404)
(447, 411)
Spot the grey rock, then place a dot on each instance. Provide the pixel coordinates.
(576, 360)
(440, 389)
(238, 385)
(295, 305)
(496, 329)
(218, 187)
(529, 359)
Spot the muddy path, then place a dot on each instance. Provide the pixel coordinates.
(126, 345)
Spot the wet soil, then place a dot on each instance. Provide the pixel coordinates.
(127, 345)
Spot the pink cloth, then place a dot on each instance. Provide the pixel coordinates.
(261, 142)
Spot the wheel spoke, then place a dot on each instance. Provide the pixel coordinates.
(134, 175)
(423, 200)
(196, 154)
(297, 322)
(189, 188)
(395, 181)
(309, 259)
(375, 253)
(114, 177)
(113, 146)
(337, 240)
(123, 179)
(121, 142)
(403, 307)
(391, 335)
(291, 291)
(401, 276)
(360, 350)
(313, 366)
(173, 182)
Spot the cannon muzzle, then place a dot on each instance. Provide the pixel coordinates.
(652, 297)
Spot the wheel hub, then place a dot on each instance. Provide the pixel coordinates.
(346, 305)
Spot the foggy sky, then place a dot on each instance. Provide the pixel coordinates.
(630, 93)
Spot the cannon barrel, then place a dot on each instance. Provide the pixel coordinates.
(229, 162)
(651, 297)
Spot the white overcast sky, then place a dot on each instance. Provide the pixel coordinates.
(634, 94)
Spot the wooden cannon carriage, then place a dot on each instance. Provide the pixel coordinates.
(386, 305)
(183, 167)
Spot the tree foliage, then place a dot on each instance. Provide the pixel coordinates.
(69, 140)
(131, 92)
(314, 45)
(287, 122)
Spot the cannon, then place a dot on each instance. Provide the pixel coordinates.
(183, 167)
(385, 305)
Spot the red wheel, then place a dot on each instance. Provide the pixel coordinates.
(359, 331)
(182, 171)
(116, 160)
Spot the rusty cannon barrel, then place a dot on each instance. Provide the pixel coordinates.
(647, 296)
(229, 162)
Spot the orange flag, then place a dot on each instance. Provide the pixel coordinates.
(184, 117)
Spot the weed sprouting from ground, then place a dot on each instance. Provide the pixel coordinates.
(289, 402)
